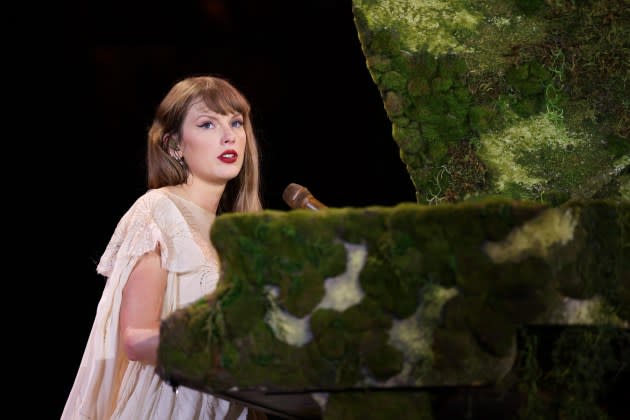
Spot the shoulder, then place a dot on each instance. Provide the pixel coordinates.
(153, 206)
(151, 219)
(150, 200)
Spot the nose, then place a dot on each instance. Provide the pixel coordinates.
(228, 135)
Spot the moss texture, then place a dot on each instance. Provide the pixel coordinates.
(410, 295)
(378, 405)
(512, 118)
(526, 99)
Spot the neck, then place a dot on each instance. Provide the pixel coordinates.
(206, 196)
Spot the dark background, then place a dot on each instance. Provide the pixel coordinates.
(317, 114)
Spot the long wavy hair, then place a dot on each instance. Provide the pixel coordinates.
(241, 193)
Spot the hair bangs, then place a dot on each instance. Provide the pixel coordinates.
(224, 99)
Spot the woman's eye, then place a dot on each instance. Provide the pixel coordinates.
(207, 125)
(237, 123)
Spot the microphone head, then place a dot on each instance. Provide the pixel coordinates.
(298, 197)
(294, 194)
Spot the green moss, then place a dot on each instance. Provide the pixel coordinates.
(513, 98)
(586, 366)
(385, 40)
(252, 308)
(440, 85)
(603, 261)
(392, 80)
(523, 62)
(331, 347)
(287, 327)
(412, 336)
(596, 42)
(492, 330)
(538, 155)
(536, 237)
(624, 187)
(380, 282)
(502, 33)
(430, 23)
(525, 307)
(529, 6)
(481, 117)
(466, 172)
(344, 291)
(458, 357)
(423, 293)
(408, 140)
(422, 64)
(393, 104)
(187, 353)
(529, 78)
(381, 360)
(378, 405)
(418, 86)
(379, 63)
(229, 356)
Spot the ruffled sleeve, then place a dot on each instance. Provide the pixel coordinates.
(153, 219)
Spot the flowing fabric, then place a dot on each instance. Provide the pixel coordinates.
(108, 385)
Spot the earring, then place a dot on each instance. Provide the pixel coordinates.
(180, 160)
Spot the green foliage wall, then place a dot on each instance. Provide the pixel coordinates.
(526, 99)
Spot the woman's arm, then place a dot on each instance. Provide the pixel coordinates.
(141, 309)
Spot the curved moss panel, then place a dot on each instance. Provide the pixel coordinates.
(411, 295)
(526, 99)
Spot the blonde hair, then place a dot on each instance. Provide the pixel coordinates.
(241, 193)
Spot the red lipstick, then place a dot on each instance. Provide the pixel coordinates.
(229, 156)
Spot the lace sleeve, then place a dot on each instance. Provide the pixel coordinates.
(153, 219)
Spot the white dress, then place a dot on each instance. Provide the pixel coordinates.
(107, 385)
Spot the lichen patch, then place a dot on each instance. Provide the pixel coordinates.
(287, 327)
(413, 335)
(344, 290)
(502, 150)
(535, 237)
(423, 22)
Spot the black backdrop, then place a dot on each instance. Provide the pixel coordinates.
(318, 116)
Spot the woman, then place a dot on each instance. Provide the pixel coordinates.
(202, 160)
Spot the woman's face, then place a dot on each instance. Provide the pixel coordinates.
(213, 145)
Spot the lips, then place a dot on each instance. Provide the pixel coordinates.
(229, 156)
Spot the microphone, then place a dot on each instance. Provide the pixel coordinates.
(298, 197)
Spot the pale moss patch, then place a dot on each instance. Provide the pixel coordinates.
(500, 21)
(344, 290)
(413, 335)
(535, 237)
(501, 29)
(465, 19)
(287, 327)
(624, 187)
(621, 164)
(500, 150)
(430, 23)
(594, 311)
(484, 31)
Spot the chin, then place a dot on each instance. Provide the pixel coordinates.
(229, 177)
